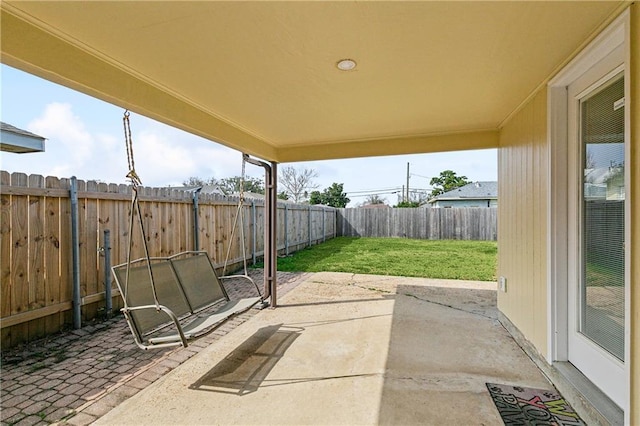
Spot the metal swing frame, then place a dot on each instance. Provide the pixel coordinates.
(172, 299)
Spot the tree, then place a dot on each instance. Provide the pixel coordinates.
(297, 183)
(408, 204)
(196, 181)
(447, 181)
(283, 196)
(332, 196)
(374, 199)
(232, 185)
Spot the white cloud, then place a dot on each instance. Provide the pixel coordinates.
(167, 157)
(61, 126)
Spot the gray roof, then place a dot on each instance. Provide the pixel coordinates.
(12, 129)
(486, 190)
(19, 141)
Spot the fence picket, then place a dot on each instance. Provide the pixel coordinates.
(419, 223)
(36, 245)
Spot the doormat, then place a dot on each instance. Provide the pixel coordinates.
(527, 406)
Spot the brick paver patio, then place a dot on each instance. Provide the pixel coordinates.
(77, 376)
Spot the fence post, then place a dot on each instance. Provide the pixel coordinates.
(286, 230)
(254, 233)
(75, 248)
(196, 222)
(309, 224)
(324, 226)
(107, 273)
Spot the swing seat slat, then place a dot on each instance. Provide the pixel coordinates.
(192, 301)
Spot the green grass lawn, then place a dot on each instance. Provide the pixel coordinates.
(465, 260)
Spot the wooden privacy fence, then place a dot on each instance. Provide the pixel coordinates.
(420, 223)
(36, 245)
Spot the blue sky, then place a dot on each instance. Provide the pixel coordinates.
(85, 139)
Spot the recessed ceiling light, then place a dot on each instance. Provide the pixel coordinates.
(346, 64)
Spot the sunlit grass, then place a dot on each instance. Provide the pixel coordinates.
(466, 260)
(599, 275)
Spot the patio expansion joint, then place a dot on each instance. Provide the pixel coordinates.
(379, 290)
(449, 306)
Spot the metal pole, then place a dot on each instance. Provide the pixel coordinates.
(107, 273)
(273, 235)
(196, 223)
(75, 248)
(270, 221)
(408, 200)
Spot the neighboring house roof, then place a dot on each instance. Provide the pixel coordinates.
(487, 190)
(204, 189)
(256, 196)
(19, 141)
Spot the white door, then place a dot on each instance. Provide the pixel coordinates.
(597, 195)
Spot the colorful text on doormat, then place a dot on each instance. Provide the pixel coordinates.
(526, 406)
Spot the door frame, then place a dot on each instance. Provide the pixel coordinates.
(558, 249)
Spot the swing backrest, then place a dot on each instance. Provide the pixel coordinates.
(140, 293)
(198, 279)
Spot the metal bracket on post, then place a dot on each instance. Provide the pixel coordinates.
(270, 221)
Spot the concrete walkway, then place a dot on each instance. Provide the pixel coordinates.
(347, 349)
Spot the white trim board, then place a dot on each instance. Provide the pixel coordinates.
(611, 38)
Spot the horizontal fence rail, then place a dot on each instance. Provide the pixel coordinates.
(37, 254)
(420, 223)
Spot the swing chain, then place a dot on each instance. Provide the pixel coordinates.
(132, 175)
(244, 163)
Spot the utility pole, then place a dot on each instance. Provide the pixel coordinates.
(408, 200)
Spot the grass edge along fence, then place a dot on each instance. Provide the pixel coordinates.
(465, 223)
(402, 257)
(36, 264)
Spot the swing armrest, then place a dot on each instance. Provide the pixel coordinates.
(246, 277)
(167, 311)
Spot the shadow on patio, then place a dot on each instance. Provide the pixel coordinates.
(348, 349)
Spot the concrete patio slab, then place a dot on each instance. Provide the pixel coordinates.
(348, 349)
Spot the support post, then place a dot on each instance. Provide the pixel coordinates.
(107, 273)
(270, 221)
(75, 248)
(273, 235)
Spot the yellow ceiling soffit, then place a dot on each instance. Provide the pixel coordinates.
(28, 47)
(624, 5)
(423, 144)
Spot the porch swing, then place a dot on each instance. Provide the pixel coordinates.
(169, 301)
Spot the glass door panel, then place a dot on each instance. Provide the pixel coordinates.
(602, 288)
